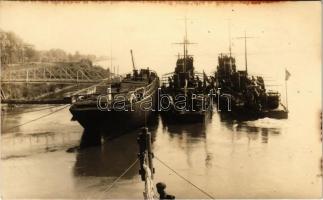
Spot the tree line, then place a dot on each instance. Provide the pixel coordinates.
(14, 51)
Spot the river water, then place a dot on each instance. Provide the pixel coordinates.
(223, 157)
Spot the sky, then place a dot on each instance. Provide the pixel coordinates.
(284, 34)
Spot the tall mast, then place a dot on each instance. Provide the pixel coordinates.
(186, 40)
(110, 58)
(229, 37)
(245, 37)
(133, 62)
(184, 56)
(245, 50)
(185, 45)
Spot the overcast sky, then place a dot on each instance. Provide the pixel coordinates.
(286, 34)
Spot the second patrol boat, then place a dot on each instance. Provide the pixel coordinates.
(184, 93)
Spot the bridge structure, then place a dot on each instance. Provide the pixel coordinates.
(62, 73)
(70, 74)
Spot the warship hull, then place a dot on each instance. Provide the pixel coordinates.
(112, 122)
(248, 113)
(110, 119)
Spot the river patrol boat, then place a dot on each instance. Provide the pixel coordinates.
(243, 96)
(120, 106)
(184, 92)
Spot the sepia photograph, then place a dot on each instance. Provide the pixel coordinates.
(161, 100)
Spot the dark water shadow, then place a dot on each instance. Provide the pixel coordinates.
(191, 134)
(113, 156)
(194, 130)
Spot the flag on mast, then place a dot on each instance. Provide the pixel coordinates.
(287, 74)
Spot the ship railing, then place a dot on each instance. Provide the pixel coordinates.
(153, 84)
(90, 92)
(145, 91)
(151, 72)
(165, 77)
(202, 75)
(273, 93)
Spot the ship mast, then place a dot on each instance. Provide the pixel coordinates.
(133, 62)
(230, 43)
(245, 37)
(230, 37)
(110, 58)
(185, 44)
(245, 51)
(186, 40)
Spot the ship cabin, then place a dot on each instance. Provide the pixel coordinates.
(132, 88)
(184, 73)
(227, 66)
(184, 78)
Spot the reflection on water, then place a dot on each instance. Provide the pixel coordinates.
(225, 157)
(192, 129)
(116, 153)
(265, 127)
(110, 160)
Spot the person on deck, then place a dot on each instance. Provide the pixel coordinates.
(162, 193)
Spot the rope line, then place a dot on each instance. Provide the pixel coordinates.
(8, 129)
(117, 179)
(18, 113)
(201, 190)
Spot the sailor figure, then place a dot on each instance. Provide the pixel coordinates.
(161, 191)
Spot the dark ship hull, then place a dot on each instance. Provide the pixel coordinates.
(246, 113)
(112, 120)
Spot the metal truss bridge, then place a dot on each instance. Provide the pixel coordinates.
(52, 73)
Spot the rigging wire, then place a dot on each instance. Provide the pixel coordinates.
(8, 129)
(201, 190)
(117, 179)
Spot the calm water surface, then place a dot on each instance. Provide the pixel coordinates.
(226, 158)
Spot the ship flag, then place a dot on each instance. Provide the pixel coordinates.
(287, 74)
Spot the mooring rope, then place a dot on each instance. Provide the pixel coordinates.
(8, 129)
(117, 179)
(201, 190)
